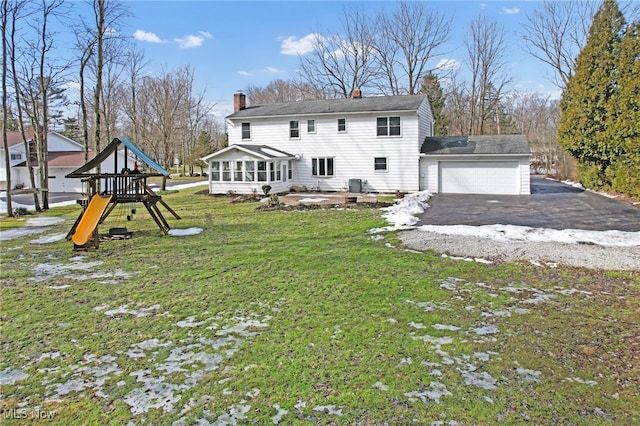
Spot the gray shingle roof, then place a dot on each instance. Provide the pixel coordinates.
(476, 145)
(333, 106)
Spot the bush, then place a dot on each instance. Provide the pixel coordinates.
(625, 175)
(592, 176)
(21, 211)
(266, 189)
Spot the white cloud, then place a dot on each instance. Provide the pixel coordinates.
(265, 70)
(512, 11)
(448, 65)
(141, 35)
(295, 46)
(190, 41)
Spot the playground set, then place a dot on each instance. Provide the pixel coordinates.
(108, 190)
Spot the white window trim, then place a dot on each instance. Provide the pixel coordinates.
(388, 117)
(386, 170)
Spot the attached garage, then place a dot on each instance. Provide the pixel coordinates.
(476, 165)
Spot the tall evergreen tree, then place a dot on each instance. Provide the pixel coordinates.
(432, 88)
(586, 101)
(624, 121)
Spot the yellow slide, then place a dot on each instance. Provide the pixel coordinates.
(90, 219)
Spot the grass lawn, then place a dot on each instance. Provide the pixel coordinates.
(301, 317)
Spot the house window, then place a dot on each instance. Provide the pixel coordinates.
(388, 126)
(294, 129)
(215, 171)
(262, 171)
(272, 172)
(16, 156)
(290, 171)
(380, 164)
(311, 126)
(226, 171)
(322, 166)
(249, 174)
(237, 171)
(342, 125)
(246, 130)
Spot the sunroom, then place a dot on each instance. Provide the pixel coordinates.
(245, 169)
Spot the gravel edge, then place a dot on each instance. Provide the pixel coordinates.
(550, 254)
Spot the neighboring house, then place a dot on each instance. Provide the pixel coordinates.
(64, 156)
(360, 144)
(496, 164)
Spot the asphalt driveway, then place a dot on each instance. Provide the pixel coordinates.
(551, 204)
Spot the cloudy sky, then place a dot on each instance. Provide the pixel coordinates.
(231, 45)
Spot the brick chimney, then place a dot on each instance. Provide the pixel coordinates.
(356, 94)
(239, 101)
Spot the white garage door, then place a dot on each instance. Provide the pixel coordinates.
(479, 177)
(58, 182)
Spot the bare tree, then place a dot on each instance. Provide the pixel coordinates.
(485, 45)
(107, 16)
(5, 104)
(555, 32)
(408, 40)
(341, 63)
(42, 78)
(457, 107)
(20, 11)
(135, 64)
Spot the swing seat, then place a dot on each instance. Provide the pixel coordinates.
(119, 232)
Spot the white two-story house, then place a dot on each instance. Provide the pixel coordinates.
(359, 144)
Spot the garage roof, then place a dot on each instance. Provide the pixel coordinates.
(476, 145)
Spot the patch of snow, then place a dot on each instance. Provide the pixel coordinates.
(445, 327)
(48, 239)
(529, 376)
(312, 200)
(515, 233)
(579, 380)
(12, 234)
(123, 309)
(381, 386)
(488, 329)
(44, 221)
(189, 322)
(437, 390)
(467, 259)
(10, 377)
(281, 412)
(417, 325)
(184, 232)
(482, 380)
(59, 287)
(329, 409)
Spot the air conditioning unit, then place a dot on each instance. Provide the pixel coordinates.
(355, 185)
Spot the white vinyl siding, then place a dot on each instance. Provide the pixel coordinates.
(353, 151)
